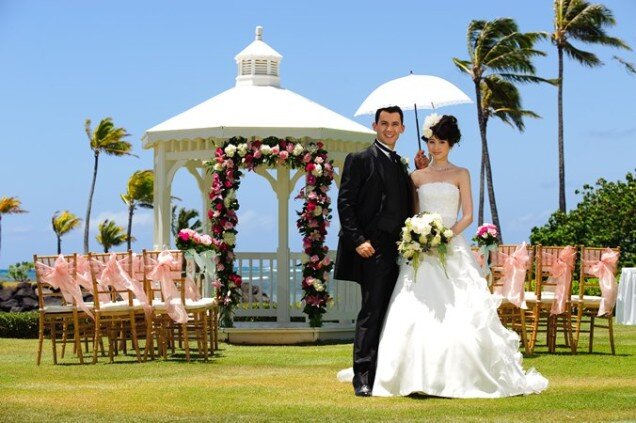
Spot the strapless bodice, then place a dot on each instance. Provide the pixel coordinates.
(441, 198)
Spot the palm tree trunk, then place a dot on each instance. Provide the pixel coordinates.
(0, 232)
(560, 117)
(480, 213)
(59, 244)
(486, 164)
(90, 204)
(131, 211)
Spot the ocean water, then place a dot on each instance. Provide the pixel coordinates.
(4, 275)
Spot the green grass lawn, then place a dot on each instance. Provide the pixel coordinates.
(247, 383)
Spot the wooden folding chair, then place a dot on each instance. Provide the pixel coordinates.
(512, 316)
(58, 312)
(200, 313)
(121, 316)
(588, 300)
(548, 261)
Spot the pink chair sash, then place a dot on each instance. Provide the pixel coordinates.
(113, 274)
(514, 275)
(605, 270)
(561, 273)
(84, 279)
(161, 271)
(59, 276)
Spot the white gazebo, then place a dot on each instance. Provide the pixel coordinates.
(256, 107)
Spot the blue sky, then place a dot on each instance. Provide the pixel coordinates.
(143, 62)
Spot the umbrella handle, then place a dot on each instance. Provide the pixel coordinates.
(417, 126)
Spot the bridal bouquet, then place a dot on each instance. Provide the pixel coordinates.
(424, 233)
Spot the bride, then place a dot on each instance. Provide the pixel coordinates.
(442, 335)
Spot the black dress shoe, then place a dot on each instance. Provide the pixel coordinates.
(363, 391)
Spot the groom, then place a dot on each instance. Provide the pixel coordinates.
(375, 199)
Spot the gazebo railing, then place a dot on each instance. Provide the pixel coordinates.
(260, 279)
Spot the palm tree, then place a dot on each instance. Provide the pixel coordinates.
(585, 22)
(110, 234)
(139, 193)
(63, 222)
(182, 219)
(9, 205)
(496, 48)
(107, 139)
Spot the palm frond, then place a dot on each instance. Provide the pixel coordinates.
(110, 234)
(629, 67)
(583, 57)
(463, 65)
(64, 222)
(11, 205)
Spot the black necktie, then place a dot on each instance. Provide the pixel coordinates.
(392, 154)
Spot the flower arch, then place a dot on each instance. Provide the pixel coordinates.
(313, 220)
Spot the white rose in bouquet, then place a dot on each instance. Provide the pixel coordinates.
(230, 150)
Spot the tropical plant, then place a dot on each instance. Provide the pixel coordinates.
(498, 53)
(110, 235)
(107, 139)
(64, 222)
(19, 272)
(181, 218)
(605, 217)
(138, 194)
(9, 205)
(585, 22)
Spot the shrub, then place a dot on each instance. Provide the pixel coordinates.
(19, 272)
(19, 325)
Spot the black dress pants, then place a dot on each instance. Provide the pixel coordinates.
(379, 275)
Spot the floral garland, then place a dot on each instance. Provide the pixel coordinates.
(313, 220)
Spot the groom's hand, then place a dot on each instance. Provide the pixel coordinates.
(365, 250)
(421, 161)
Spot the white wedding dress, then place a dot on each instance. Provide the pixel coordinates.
(441, 335)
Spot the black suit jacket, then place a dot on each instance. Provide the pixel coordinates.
(361, 201)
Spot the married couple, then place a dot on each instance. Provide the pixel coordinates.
(431, 332)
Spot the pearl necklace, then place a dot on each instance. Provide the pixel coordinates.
(443, 169)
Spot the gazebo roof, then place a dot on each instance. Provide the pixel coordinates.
(260, 112)
(258, 107)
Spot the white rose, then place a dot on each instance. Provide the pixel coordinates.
(266, 150)
(448, 233)
(230, 150)
(229, 238)
(318, 286)
(242, 149)
(317, 170)
(298, 149)
(218, 167)
(436, 240)
(318, 211)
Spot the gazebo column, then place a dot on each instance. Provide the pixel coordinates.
(282, 254)
(162, 198)
(204, 182)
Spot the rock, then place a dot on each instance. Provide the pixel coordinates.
(52, 301)
(6, 294)
(9, 304)
(29, 303)
(26, 292)
(17, 309)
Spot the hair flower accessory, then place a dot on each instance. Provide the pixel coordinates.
(430, 121)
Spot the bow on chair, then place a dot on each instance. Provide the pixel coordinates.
(59, 277)
(561, 272)
(514, 275)
(604, 270)
(84, 279)
(113, 274)
(161, 271)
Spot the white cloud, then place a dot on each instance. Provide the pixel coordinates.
(141, 218)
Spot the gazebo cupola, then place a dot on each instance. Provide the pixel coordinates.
(258, 64)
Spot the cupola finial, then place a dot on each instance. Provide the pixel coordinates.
(259, 33)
